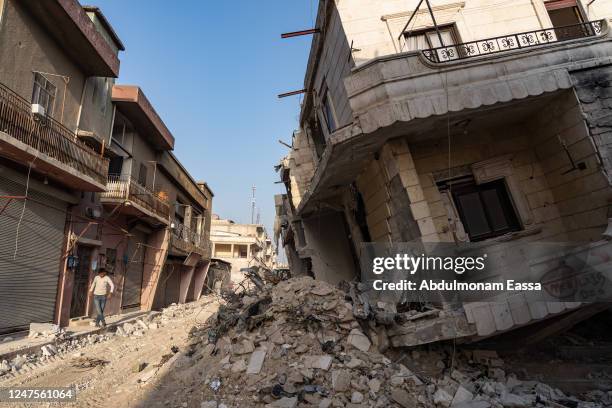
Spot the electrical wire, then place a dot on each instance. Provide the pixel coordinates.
(27, 186)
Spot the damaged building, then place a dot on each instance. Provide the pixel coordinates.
(241, 246)
(87, 176)
(463, 122)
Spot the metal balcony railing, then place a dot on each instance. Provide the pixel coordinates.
(49, 137)
(126, 188)
(184, 237)
(519, 41)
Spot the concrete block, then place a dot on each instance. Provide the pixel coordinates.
(420, 210)
(256, 362)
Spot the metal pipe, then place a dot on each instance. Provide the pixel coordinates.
(433, 18)
(410, 19)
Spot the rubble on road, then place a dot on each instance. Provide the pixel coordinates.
(62, 343)
(299, 344)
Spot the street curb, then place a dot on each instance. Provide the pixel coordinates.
(36, 348)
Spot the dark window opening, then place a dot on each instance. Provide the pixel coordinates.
(360, 214)
(142, 175)
(115, 166)
(485, 210)
(328, 113)
(565, 15)
(317, 138)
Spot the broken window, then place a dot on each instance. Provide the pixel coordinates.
(43, 93)
(486, 209)
(565, 15)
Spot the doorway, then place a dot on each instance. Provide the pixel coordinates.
(80, 288)
(567, 18)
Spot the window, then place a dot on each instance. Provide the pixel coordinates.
(428, 38)
(329, 114)
(564, 13)
(485, 210)
(223, 250)
(43, 93)
(142, 175)
(240, 251)
(115, 166)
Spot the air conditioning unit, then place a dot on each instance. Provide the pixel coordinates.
(38, 111)
(93, 212)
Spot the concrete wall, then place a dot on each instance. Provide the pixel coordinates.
(26, 47)
(97, 111)
(301, 164)
(328, 243)
(570, 206)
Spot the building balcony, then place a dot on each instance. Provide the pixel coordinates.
(55, 150)
(408, 94)
(520, 41)
(186, 241)
(134, 199)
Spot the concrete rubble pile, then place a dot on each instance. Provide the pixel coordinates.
(298, 344)
(61, 343)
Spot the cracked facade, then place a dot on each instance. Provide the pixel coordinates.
(514, 105)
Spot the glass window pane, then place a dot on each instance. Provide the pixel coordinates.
(474, 215)
(416, 42)
(495, 210)
(446, 35)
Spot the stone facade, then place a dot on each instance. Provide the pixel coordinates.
(536, 121)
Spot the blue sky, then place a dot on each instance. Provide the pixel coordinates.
(212, 70)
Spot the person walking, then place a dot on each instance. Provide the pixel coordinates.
(102, 289)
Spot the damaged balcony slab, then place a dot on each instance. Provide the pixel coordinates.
(445, 326)
(406, 95)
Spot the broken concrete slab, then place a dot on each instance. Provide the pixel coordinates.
(359, 340)
(322, 362)
(403, 398)
(341, 380)
(256, 361)
(284, 402)
(462, 395)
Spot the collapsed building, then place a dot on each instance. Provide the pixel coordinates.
(467, 122)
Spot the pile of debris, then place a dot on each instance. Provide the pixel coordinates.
(62, 343)
(299, 344)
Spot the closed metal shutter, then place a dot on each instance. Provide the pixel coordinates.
(132, 285)
(29, 277)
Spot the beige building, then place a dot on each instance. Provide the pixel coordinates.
(492, 126)
(242, 245)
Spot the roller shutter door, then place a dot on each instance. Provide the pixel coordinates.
(29, 277)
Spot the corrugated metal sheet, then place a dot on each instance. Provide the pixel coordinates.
(29, 276)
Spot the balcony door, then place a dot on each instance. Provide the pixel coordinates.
(566, 17)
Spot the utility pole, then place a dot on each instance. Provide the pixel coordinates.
(253, 204)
